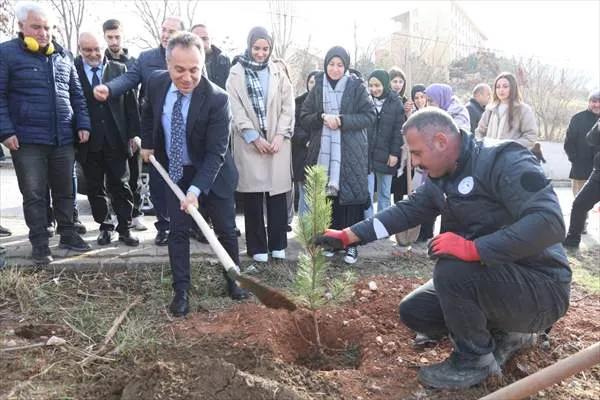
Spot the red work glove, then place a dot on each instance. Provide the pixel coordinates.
(451, 244)
(332, 239)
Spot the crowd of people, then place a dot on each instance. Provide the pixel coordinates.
(222, 127)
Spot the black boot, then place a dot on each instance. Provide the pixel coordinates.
(572, 241)
(459, 372)
(41, 254)
(234, 291)
(73, 242)
(180, 305)
(77, 224)
(509, 343)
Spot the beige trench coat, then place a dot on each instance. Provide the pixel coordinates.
(270, 173)
(524, 130)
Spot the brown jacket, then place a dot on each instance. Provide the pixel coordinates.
(270, 173)
(524, 128)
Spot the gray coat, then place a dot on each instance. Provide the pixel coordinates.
(358, 114)
(498, 197)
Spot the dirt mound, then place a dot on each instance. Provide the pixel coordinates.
(251, 352)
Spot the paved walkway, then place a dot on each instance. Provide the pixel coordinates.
(119, 256)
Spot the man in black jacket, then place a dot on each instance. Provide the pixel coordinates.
(589, 193)
(217, 64)
(503, 224)
(148, 62)
(113, 35)
(580, 153)
(482, 93)
(185, 124)
(114, 125)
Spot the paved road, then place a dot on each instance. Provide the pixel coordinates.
(120, 256)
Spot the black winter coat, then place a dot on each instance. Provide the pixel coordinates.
(593, 139)
(498, 197)
(580, 153)
(217, 67)
(299, 143)
(385, 135)
(475, 112)
(358, 114)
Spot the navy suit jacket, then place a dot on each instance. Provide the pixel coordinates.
(207, 133)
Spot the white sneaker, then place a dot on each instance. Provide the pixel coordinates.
(279, 254)
(261, 257)
(328, 253)
(138, 225)
(351, 255)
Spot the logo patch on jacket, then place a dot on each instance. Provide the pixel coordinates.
(465, 186)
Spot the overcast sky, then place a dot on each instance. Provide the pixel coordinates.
(565, 33)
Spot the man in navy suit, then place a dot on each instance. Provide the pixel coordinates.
(185, 124)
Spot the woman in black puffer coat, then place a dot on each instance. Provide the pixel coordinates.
(337, 114)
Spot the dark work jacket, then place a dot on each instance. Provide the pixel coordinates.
(299, 142)
(475, 112)
(40, 96)
(148, 62)
(593, 139)
(580, 153)
(358, 114)
(217, 66)
(123, 111)
(385, 135)
(207, 133)
(499, 198)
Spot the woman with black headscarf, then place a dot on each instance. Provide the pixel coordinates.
(262, 105)
(299, 143)
(337, 114)
(385, 139)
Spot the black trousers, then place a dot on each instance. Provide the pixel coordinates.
(114, 165)
(222, 214)
(38, 167)
(343, 216)
(135, 167)
(470, 301)
(584, 201)
(275, 238)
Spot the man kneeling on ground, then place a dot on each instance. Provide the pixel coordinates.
(501, 273)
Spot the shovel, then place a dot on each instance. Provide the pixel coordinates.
(267, 295)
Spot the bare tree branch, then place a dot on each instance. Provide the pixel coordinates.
(282, 26)
(70, 13)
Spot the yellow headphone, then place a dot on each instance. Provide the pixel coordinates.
(33, 45)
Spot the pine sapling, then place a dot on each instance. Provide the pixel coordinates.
(311, 285)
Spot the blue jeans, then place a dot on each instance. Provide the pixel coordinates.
(302, 206)
(38, 167)
(384, 189)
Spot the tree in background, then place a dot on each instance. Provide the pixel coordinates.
(7, 20)
(153, 13)
(553, 92)
(282, 26)
(70, 15)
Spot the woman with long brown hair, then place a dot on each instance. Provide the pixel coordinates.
(507, 117)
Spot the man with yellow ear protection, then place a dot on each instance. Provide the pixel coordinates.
(42, 114)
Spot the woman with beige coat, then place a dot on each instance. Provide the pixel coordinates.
(507, 117)
(262, 104)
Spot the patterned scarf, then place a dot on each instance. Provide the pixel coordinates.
(330, 154)
(255, 91)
